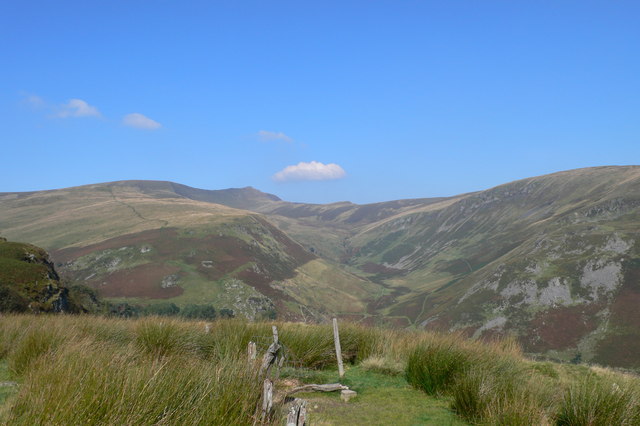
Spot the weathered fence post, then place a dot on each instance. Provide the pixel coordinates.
(297, 413)
(252, 352)
(302, 415)
(270, 357)
(336, 340)
(267, 398)
(278, 361)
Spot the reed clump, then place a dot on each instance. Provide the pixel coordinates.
(600, 400)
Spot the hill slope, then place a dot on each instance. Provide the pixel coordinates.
(144, 242)
(553, 259)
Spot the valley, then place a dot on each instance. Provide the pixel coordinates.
(552, 259)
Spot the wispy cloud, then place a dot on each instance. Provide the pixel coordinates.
(77, 108)
(140, 121)
(80, 108)
(265, 135)
(313, 170)
(34, 101)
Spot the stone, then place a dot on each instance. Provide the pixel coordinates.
(347, 394)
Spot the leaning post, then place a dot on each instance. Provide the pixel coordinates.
(336, 341)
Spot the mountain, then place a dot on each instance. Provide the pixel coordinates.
(552, 259)
(144, 242)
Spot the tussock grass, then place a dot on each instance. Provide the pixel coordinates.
(95, 384)
(313, 347)
(600, 400)
(35, 343)
(162, 337)
(93, 370)
(502, 392)
(434, 366)
(77, 370)
(492, 383)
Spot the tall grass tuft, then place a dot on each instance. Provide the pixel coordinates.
(596, 401)
(500, 392)
(33, 344)
(96, 383)
(433, 367)
(161, 337)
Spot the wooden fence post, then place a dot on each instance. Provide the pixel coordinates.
(278, 359)
(336, 341)
(252, 352)
(302, 415)
(297, 413)
(271, 356)
(267, 398)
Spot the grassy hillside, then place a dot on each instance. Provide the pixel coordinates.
(552, 259)
(144, 242)
(91, 370)
(28, 280)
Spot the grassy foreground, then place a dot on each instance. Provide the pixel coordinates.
(93, 370)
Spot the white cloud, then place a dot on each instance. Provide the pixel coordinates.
(77, 108)
(34, 101)
(313, 170)
(140, 121)
(265, 135)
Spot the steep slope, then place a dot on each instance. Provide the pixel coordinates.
(142, 241)
(554, 259)
(28, 280)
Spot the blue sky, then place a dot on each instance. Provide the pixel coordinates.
(316, 101)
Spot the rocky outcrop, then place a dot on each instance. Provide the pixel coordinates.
(28, 280)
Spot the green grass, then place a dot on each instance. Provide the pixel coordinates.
(93, 370)
(600, 401)
(381, 400)
(5, 376)
(434, 367)
(33, 344)
(7, 391)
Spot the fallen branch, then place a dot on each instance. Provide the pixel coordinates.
(331, 387)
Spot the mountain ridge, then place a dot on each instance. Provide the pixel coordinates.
(505, 260)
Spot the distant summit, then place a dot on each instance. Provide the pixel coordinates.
(247, 198)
